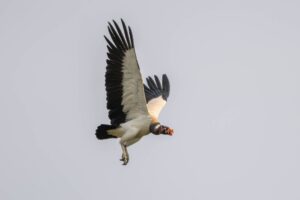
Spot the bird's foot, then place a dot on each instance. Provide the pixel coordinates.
(125, 159)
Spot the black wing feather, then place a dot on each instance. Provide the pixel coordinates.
(126, 34)
(116, 47)
(120, 34)
(157, 82)
(166, 85)
(131, 37)
(154, 89)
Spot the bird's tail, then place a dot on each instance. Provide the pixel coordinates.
(101, 132)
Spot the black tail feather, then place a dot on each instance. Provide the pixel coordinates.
(101, 132)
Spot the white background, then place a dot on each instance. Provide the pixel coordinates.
(234, 103)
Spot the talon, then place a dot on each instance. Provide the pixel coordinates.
(125, 156)
(125, 161)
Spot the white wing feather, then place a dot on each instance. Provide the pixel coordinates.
(155, 105)
(133, 101)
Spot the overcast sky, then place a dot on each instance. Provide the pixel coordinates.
(234, 69)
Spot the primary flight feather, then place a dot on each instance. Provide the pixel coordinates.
(133, 107)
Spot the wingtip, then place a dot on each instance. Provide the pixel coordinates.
(123, 23)
(115, 23)
(131, 37)
(165, 79)
(166, 86)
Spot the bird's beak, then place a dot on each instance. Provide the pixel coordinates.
(170, 131)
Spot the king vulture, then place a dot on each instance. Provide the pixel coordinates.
(133, 107)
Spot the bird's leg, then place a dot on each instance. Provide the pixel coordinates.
(127, 139)
(125, 156)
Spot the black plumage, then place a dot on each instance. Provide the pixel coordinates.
(132, 114)
(120, 42)
(155, 88)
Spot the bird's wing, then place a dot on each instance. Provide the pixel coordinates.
(123, 80)
(156, 94)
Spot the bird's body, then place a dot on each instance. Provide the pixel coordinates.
(133, 107)
(133, 130)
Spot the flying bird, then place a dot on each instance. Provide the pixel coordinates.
(133, 107)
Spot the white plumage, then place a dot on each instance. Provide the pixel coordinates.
(134, 100)
(130, 114)
(155, 105)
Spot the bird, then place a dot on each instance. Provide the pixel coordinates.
(133, 107)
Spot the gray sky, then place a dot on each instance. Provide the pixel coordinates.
(234, 104)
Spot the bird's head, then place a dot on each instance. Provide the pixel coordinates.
(157, 129)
